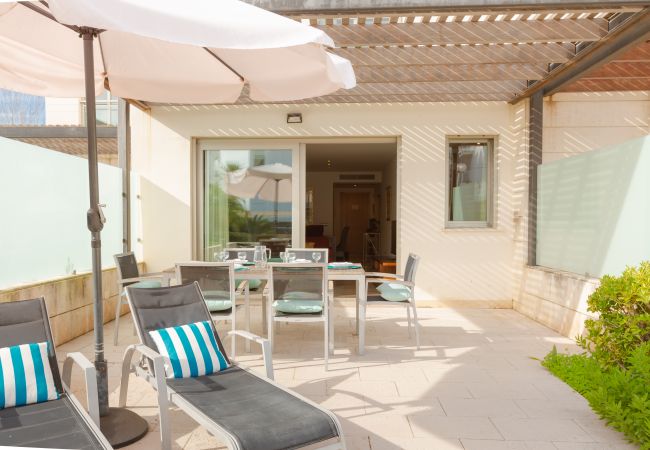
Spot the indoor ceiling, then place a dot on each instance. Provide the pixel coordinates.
(349, 157)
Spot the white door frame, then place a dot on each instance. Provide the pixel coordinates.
(298, 195)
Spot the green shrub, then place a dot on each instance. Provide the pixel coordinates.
(623, 307)
(619, 395)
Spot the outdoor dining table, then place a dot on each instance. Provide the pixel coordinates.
(358, 275)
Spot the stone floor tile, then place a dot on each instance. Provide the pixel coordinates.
(417, 443)
(541, 430)
(482, 444)
(483, 407)
(472, 380)
(453, 427)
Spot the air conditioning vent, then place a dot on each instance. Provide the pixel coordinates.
(357, 177)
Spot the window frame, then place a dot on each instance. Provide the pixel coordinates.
(492, 143)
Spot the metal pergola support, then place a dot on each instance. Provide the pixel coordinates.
(633, 31)
(124, 161)
(535, 147)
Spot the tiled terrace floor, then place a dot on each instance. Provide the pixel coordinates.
(475, 384)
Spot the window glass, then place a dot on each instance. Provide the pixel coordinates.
(469, 181)
(247, 199)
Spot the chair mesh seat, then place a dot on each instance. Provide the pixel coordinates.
(379, 298)
(259, 415)
(53, 424)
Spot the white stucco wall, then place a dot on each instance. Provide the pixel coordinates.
(579, 122)
(481, 266)
(576, 123)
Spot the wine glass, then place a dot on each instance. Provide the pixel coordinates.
(315, 256)
(283, 256)
(241, 256)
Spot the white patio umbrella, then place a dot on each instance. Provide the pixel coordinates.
(270, 182)
(190, 51)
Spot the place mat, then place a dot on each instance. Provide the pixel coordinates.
(343, 266)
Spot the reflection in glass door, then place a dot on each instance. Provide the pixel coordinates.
(247, 199)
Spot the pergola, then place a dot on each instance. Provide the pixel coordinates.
(480, 50)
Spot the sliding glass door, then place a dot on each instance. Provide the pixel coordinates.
(249, 195)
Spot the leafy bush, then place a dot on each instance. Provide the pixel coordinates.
(618, 395)
(623, 307)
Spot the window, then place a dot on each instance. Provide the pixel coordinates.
(469, 185)
(106, 110)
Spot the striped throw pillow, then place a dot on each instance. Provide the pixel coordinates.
(26, 375)
(191, 350)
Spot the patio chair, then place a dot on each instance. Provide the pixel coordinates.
(299, 293)
(245, 410)
(396, 290)
(307, 253)
(217, 282)
(342, 247)
(253, 285)
(60, 423)
(128, 274)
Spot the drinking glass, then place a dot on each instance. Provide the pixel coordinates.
(292, 257)
(315, 256)
(241, 256)
(283, 256)
(223, 256)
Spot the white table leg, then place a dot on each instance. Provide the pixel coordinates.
(247, 307)
(331, 314)
(361, 314)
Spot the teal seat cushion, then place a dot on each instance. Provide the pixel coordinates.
(299, 303)
(394, 292)
(144, 284)
(252, 284)
(217, 300)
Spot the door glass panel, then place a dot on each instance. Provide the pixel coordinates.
(247, 200)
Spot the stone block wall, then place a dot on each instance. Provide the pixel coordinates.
(69, 302)
(556, 299)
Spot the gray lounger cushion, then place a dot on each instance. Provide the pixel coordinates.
(53, 424)
(260, 415)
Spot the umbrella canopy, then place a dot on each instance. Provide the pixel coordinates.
(196, 51)
(271, 182)
(190, 51)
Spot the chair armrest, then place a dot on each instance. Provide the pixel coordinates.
(90, 375)
(383, 275)
(380, 281)
(158, 370)
(144, 278)
(266, 348)
(158, 274)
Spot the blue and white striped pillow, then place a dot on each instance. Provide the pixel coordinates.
(25, 375)
(191, 350)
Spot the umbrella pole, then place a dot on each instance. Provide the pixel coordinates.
(95, 222)
(120, 426)
(277, 195)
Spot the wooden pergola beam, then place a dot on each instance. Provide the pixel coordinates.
(467, 54)
(434, 87)
(455, 72)
(398, 98)
(454, 33)
(370, 6)
(609, 85)
(634, 31)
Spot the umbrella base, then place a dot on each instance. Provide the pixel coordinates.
(123, 427)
